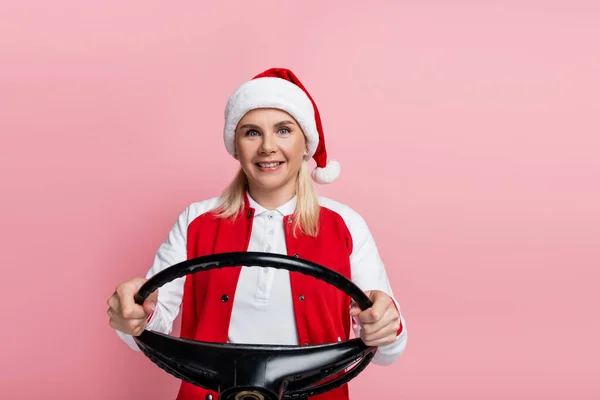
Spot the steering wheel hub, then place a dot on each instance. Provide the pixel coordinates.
(249, 395)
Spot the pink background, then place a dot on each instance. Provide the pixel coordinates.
(469, 138)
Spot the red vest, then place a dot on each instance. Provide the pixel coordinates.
(321, 310)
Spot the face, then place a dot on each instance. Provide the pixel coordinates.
(270, 147)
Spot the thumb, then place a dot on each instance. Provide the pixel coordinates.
(355, 310)
(149, 306)
(150, 302)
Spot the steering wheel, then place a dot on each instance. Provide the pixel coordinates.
(256, 371)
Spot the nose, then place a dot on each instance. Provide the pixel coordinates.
(268, 144)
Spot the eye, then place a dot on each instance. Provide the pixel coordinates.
(252, 132)
(284, 131)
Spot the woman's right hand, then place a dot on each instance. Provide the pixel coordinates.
(125, 314)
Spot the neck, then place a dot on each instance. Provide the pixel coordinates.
(272, 198)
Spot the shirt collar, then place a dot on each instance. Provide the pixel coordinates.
(285, 209)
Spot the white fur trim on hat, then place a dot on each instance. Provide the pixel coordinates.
(270, 92)
(327, 174)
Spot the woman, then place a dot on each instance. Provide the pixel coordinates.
(273, 128)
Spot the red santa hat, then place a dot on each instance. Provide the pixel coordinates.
(280, 88)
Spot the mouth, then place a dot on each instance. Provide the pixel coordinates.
(269, 166)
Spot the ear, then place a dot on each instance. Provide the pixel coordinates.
(235, 151)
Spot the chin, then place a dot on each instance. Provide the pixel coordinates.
(270, 184)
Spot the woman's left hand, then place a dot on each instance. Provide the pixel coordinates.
(379, 323)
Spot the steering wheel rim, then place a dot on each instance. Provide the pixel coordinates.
(256, 371)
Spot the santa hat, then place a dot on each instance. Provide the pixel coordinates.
(280, 88)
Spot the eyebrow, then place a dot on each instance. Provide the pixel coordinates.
(280, 123)
(286, 122)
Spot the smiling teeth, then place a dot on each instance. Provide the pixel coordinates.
(269, 165)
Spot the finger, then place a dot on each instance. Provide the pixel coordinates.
(370, 315)
(133, 312)
(129, 309)
(380, 342)
(127, 290)
(388, 319)
(381, 302)
(113, 302)
(138, 328)
(387, 332)
(117, 321)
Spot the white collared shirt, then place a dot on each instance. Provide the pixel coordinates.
(261, 292)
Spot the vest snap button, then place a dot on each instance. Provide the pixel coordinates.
(224, 298)
(296, 255)
(249, 213)
(301, 297)
(290, 220)
(306, 343)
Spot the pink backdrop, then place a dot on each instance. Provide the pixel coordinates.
(468, 135)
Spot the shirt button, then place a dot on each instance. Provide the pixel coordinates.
(224, 298)
(271, 232)
(268, 248)
(262, 287)
(270, 216)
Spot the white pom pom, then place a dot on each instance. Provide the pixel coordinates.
(328, 174)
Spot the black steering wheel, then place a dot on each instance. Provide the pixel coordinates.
(256, 372)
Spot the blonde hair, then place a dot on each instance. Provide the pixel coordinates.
(306, 215)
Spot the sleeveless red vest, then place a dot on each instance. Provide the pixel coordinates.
(321, 310)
